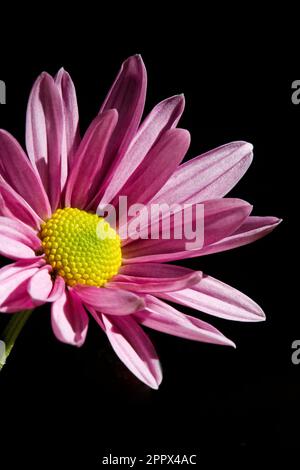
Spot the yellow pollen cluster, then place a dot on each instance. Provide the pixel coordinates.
(81, 247)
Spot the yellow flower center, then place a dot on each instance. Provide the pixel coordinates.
(81, 247)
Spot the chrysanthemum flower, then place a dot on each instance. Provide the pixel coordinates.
(48, 207)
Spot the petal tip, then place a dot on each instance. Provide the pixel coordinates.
(180, 97)
(45, 76)
(154, 386)
(134, 58)
(247, 145)
(156, 381)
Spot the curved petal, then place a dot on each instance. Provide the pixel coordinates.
(222, 217)
(216, 298)
(154, 277)
(127, 95)
(69, 318)
(251, 230)
(164, 116)
(209, 176)
(134, 348)
(42, 288)
(57, 290)
(89, 157)
(14, 268)
(13, 205)
(70, 135)
(157, 167)
(44, 126)
(113, 301)
(14, 280)
(16, 170)
(17, 240)
(40, 285)
(162, 317)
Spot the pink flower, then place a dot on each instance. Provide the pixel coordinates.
(47, 223)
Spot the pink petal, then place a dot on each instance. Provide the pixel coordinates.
(70, 135)
(216, 298)
(17, 171)
(40, 285)
(15, 268)
(134, 348)
(12, 205)
(57, 290)
(157, 167)
(209, 176)
(221, 218)
(163, 117)
(69, 318)
(154, 277)
(89, 157)
(251, 230)
(42, 288)
(162, 317)
(17, 240)
(110, 300)
(14, 280)
(127, 95)
(44, 125)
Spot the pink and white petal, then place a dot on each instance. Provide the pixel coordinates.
(18, 300)
(157, 167)
(17, 240)
(222, 217)
(58, 289)
(14, 280)
(154, 277)
(23, 232)
(163, 117)
(14, 268)
(16, 170)
(112, 301)
(44, 127)
(69, 319)
(70, 135)
(42, 288)
(134, 348)
(216, 298)
(160, 316)
(209, 176)
(88, 160)
(13, 205)
(40, 285)
(127, 95)
(251, 230)
(14, 249)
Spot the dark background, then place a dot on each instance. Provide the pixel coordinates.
(68, 405)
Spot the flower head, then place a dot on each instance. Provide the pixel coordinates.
(66, 253)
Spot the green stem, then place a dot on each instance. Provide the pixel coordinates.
(12, 331)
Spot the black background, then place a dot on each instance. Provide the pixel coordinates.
(77, 405)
